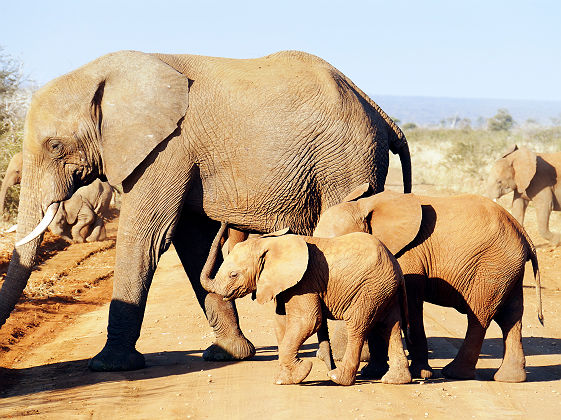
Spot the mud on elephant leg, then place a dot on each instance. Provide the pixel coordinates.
(509, 319)
(222, 316)
(463, 365)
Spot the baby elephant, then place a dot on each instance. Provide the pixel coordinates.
(464, 252)
(352, 278)
(81, 218)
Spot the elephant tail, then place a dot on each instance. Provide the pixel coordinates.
(533, 257)
(402, 296)
(402, 150)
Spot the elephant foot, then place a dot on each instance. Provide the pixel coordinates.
(421, 370)
(454, 370)
(238, 348)
(295, 374)
(112, 359)
(397, 376)
(342, 376)
(510, 374)
(324, 353)
(374, 370)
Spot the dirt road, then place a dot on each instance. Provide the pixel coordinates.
(44, 373)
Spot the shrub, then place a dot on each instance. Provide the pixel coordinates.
(13, 104)
(460, 160)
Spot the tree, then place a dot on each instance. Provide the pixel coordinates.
(409, 126)
(501, 121)
(10, 81)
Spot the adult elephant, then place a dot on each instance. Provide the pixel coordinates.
(12, 176)
(261, 144)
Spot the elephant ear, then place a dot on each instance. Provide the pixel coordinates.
(359, 192)
(395, 219)
(138, 103)
(71, 208)
(524, 163)
(284, 262)
(510, 150)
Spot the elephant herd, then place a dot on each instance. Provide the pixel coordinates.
(286, 148)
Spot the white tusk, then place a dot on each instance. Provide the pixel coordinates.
(42, 226)
(12, 229)
(495, 200)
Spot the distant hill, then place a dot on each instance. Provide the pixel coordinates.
(425, 111)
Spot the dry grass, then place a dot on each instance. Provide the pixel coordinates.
(459, 160)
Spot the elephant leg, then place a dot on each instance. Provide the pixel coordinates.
(192, 242)
(98, 232)
(509, 318)
(378, 348)
(345, 373)
(418, 346)
(463, 365)
(82, 225)
(324, 345)
(398, 372)
(519, 206)
(149, 214)
(299, 326)
(544, 206)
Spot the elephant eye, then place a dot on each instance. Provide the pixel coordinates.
(55, 147)
(233, 274)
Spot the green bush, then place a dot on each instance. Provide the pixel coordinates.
(502, 121)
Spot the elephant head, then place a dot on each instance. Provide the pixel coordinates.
(12, 176)
(393, 218)
(266, 265)
(99, 121)
(512, 172)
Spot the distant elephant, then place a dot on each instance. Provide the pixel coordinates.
(464, 252)
(12, 176)
(533, 177)
(352, 278)
(81, 218)
(261, 143)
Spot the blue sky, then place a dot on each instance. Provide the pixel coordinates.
(473, 49)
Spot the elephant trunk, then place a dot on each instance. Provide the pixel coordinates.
(206, 280)
(23, 257)
(6, 183)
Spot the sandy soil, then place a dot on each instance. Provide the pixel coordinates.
(46, 345)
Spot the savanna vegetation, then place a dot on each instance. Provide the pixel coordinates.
(14, 99)
(459, 159)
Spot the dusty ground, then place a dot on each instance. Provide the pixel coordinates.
(47, 342)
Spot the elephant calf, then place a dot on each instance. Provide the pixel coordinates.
(533, 177)
(81, 218)
(464, 252)
(353, 278)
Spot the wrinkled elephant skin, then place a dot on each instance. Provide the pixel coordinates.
(262, 144)
(471, 260)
